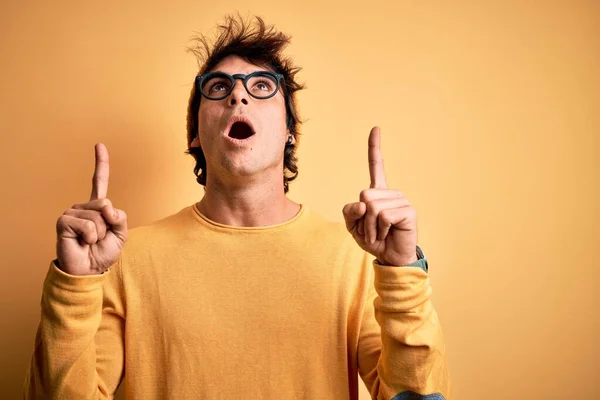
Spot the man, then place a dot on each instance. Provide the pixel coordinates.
(245, 294)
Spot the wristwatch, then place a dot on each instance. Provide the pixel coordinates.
(420, 254)
(421, 261)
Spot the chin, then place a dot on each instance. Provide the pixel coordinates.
(241, 168)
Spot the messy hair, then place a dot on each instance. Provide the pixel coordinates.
(259, 44)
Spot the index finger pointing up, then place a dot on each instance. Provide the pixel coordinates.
(376, 170)
(101, 171)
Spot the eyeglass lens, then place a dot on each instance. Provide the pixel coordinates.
(219, 86)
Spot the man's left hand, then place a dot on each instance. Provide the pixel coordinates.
(383, 221)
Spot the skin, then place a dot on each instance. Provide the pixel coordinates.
(91, 235)
(244, 185)
(244, 188)
(382, 222)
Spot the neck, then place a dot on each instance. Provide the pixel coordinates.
(259, 204)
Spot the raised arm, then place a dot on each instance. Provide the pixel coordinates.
(79, 347)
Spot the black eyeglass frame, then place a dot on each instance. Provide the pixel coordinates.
(232, 78)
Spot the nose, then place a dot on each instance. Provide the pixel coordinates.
(238, 94)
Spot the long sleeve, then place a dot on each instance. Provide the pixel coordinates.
(79, 347)
(401, 352)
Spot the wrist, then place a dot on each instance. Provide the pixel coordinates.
(417, 260)
(399, 262)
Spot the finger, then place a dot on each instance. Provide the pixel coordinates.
(93, 216)
(376, 170)
(71, 227)
(95, 205)
(117, 220)
(368, 195)
(101, 172)
(387, 218)
(373, 209)
(352, 213)
(361, 227)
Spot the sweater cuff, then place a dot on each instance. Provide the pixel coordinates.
(422, 264)
(398, 275)
(401, 289)
(74, 283)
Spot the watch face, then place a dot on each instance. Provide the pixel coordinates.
(420, 253)
(421, 256)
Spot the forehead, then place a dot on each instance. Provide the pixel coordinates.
(237, 65)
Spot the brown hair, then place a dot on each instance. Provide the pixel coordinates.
(259, 44)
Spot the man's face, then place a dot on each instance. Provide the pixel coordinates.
(242, 136)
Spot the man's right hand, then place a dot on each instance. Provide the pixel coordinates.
(91, 236)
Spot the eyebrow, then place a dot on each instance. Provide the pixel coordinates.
(227, 73)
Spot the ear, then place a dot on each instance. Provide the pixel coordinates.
(289, 138)
(195, 142)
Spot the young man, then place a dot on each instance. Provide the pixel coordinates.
(245, 294)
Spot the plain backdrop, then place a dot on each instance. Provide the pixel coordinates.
(490, 121)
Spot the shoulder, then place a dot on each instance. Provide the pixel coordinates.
(328, 228)
(337, 248)
(159, 232)
(332, 234)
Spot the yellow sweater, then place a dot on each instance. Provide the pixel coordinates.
(194, 309)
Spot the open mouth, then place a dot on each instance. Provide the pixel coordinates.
(240, 130)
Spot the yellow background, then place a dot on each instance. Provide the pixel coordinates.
(490, 121)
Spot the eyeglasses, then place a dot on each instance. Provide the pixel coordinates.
(219, 85)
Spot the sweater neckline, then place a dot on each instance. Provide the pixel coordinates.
(204, 220)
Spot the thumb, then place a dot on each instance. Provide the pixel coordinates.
(117, 220)
(352, 213)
